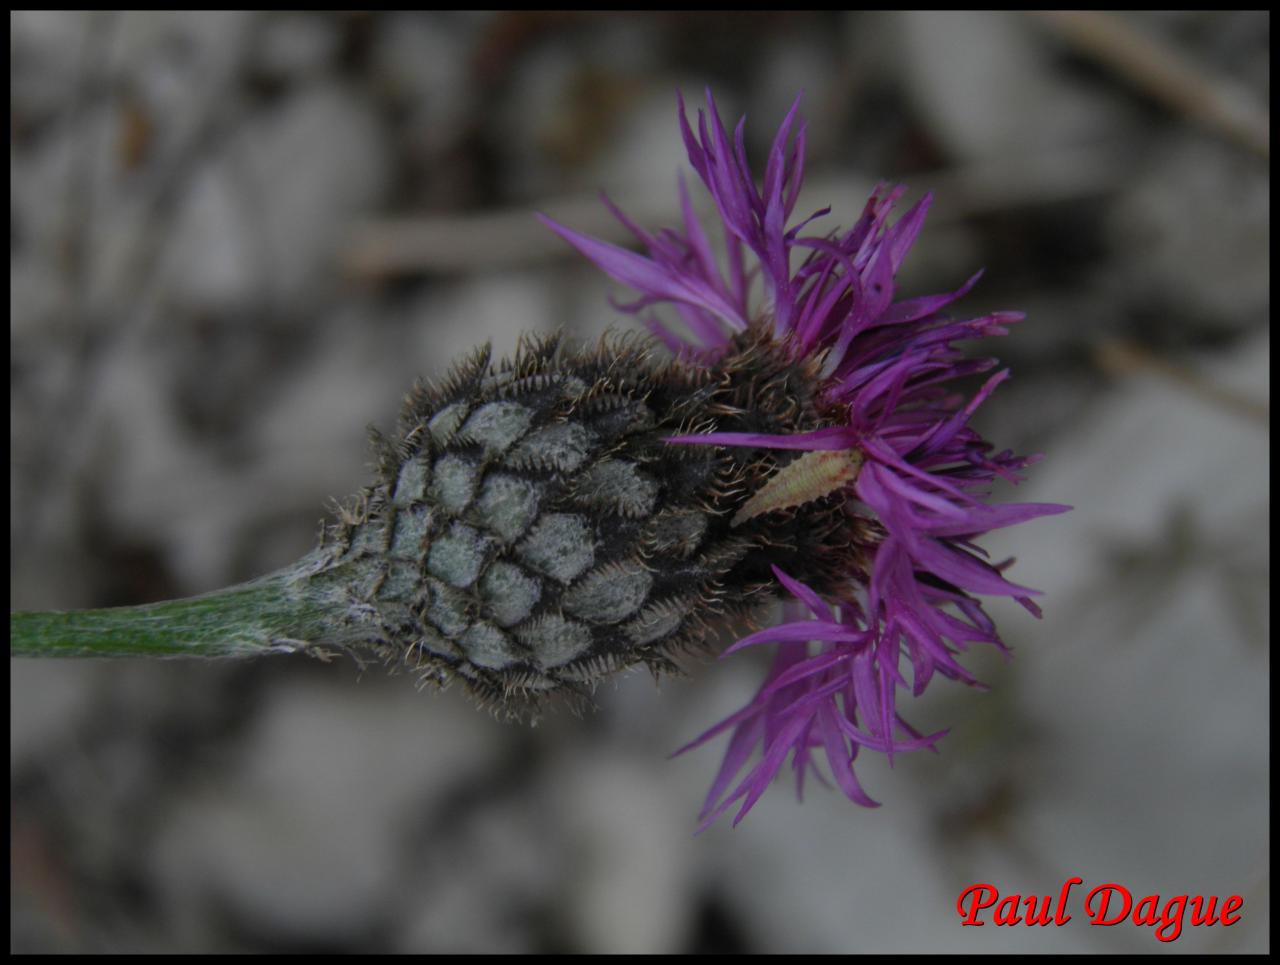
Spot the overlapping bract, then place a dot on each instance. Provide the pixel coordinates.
(925, 473)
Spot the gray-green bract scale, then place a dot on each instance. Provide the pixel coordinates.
(531, 530)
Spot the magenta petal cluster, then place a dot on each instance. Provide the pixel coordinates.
(925, 474)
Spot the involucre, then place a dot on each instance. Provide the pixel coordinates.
(532, 530)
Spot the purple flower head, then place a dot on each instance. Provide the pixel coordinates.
(922, 477)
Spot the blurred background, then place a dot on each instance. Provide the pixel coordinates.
(236, 240)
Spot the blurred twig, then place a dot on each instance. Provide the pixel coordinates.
(512, 236)
(1120, 357)
(398, 246)
(1166, 75)
(50, 461)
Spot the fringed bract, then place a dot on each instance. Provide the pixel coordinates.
(531, 531)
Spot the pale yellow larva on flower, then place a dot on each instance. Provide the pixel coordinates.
(812, 476)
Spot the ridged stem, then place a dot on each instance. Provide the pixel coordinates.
(279, 613)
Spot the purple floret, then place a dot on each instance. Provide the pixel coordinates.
(925, 473)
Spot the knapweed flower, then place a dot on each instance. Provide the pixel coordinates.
(887, 463)
(538, 524)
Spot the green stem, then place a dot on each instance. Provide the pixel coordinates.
(274, 614)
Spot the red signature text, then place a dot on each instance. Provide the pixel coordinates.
(1106, 904)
